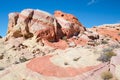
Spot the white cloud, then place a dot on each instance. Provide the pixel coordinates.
(91, 2)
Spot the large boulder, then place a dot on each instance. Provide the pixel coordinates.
(30, 23)
(43, 25)
(69, 23)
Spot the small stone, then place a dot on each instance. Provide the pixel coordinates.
(1, 56)
(2, 68)
(65, 63)
(23, 59)
(76, 59)
(72, 44)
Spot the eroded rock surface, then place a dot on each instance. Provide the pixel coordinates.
(43, 25)
(69, 23)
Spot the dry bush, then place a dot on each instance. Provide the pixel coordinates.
(64, 38)
(106, 55)
(106, 75)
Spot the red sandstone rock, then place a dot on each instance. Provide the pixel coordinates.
(43, 25)
(34, 23)
(68, 17)
(69, 23)
(61, 44)
(113, 33)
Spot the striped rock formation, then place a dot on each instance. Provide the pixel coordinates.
(43, 25)
(69, 23)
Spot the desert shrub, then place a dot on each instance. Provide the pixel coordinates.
(76, 59)
(64, 38)
(105, 50)
(104, 42)
(105, 57)
(97, 43)
(106, 75)
(114, 46)
(22, 59)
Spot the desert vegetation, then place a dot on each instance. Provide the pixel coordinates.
(107, 53)
(107, 75)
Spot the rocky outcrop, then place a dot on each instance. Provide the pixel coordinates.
(43, 25)
(69, 23)
(31, 22)
(109, 30)
(13, 17)
(0, 36)
(61, 28)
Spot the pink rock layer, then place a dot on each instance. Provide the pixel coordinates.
(62, 44)
(69, 24)
(45, 67)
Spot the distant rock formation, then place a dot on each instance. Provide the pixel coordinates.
(109, 30)
(0, 36)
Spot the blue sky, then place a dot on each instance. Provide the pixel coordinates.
(89, 12)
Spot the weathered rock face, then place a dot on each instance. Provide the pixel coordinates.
(108, 33)
(12, 21)
(43, 25)
(32, 22)
(69, 23)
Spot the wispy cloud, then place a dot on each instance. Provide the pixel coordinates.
(91, 2)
